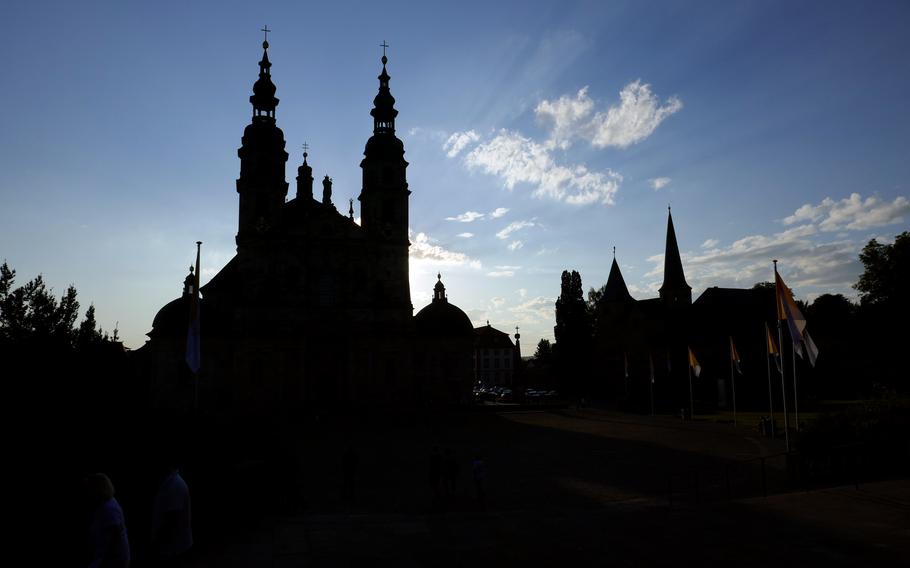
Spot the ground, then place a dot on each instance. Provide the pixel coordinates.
(562, 486)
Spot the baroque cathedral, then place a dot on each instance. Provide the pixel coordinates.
(314, 310)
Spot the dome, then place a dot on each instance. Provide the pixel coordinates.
(443, 318)
(173, 317)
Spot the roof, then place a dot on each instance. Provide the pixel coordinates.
(616, 289)
(490, 337)
(443, 318)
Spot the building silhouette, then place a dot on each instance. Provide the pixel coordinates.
(314, 310)
(632, 337)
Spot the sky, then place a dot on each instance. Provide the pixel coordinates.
(539, 134)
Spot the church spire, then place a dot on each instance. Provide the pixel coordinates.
(384, 112)
(616, 289)
(674, 290)
(263, 98)
(439, 290)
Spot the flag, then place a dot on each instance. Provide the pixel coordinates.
(651, 365)
(693, 362)
(193, 356)
(734, 356)
(625, 363)
(772, 349)
(788, 310)
(796, 322)
(811, 349)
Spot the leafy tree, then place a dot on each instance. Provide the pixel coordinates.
(572, 331)
(544, 353)
(886, 277)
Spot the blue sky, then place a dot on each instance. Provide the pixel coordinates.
(549, 132)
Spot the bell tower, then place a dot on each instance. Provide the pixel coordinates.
(261, 185)
(384, 196)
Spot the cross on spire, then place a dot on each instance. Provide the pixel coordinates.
(265, 31)
(383, 45)
(306, 148)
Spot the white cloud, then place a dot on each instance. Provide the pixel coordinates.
(710, 243)
(498, 212)
(522, 292)
(465, 235)
(507, 267)
(458, 141)
(536, 310)
(659, 183)
(851, 213)
(423, 249)
(566, 115)
(514, 226)
(501, 273)
(497, 302)
(515, 245)
(518, 160)
(466, 217)
(636, 117)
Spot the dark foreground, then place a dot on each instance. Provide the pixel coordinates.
(561, 487)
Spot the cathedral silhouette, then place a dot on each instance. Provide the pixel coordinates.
(314, 310)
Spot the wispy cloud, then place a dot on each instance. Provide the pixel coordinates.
(852, 213)
(501, 273)
(515, 245)
(513, 227)
(466, 217)
(458, 141)
(498, 212)
(424, 249)
(659, 183)
(519, 160)
(465, 235)
(809, 262)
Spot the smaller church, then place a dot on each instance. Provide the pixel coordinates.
(314, 310)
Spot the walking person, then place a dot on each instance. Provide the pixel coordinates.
(110, 546)
(172, 533)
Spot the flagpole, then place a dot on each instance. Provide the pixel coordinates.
(651, 362)
(767, 335)
(733, 381)
(196, 294)
(691, 398)
(780, 343)
(795, 392)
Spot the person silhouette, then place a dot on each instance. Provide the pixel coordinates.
(110, 546)
(172, 533)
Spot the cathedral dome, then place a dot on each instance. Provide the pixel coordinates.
(442, 318)
(173, 317)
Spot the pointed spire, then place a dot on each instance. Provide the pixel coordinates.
(351, 208)
(263, 98)
(675, 289)
(616, 289)
(384, 112)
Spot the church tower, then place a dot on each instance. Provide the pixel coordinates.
(674, 291)
(384, 197)
(261, 185)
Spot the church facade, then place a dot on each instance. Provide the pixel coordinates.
(314, 310)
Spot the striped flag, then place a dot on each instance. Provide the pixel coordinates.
(693, 362)
(193, 355)
(796, 322)
(772, 349)
(734, 356)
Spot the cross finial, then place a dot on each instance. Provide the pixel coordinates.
(265, 30)
(383, 45)
(614, 251)
(306, 148)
